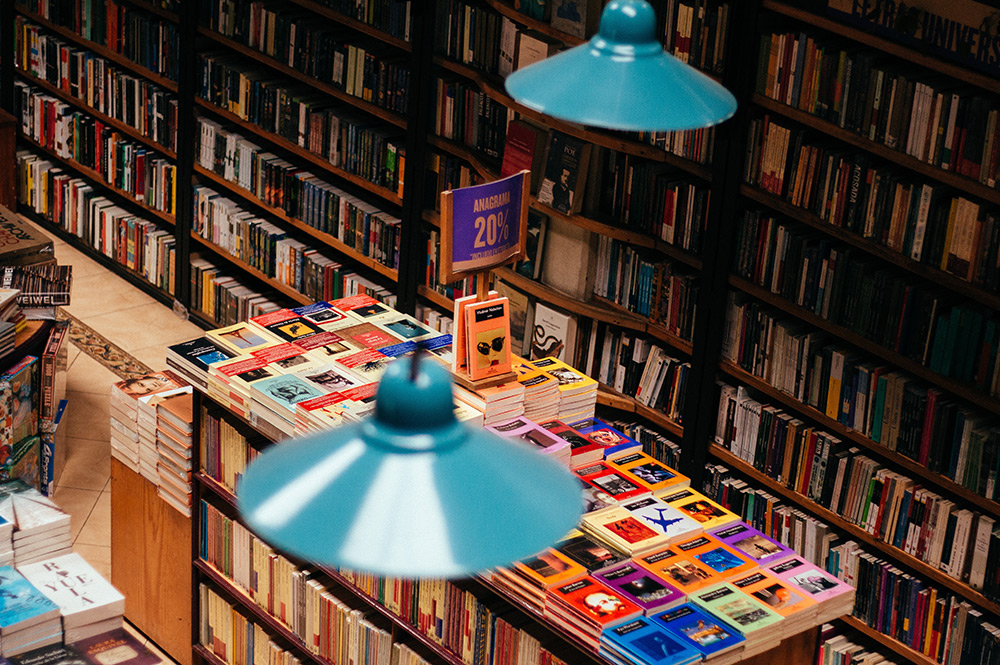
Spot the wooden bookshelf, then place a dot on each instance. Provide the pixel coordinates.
(909, 55)
(382, 114)
(165, 14)
(951, 178)
(438, 299)
(912, 467)
(325, 238)
(202, 652)
(608, 396)
(921, 270)
(284, 289)
(921, 569)
(127, 130)
(494, 90)
(99, 49)
(896, 646)
(966, 392)
(299, 152)
(353, 23)
(534, 24)
(98, 179)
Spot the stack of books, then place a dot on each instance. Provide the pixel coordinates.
(834, 597)
(643, 587)
(650, 473)
(8, 336)
(531, 578)
(175, 447)
(6, 542)
(718, 642)
(87, 602)
(612, 442)
(125, 412)
(577, 391)
(498, 403)
(541, 391)
(585, 607)
(760, 626)
(797, 609)
(536, 436)
(41, 529)
(28, 619)
(582, 451)
(644, 642)
(11, 312)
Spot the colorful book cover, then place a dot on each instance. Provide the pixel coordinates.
(331, 378)
(241, 337)
(83, 596)
(588, 552)
(646, 642)
(549, 568)
(662, 518)
(722, 559)
(700, 508)
(648, 472)
(408, 328)
(609, 480)
(144, 385)
(21, 604)
(596, 603)
(613, 442)
(286, 325)
(321, 313)
(460, 357)
(643, 587)
(571, 381)
(202, 352)
(742, 611)
(819, 584)
(369, 364)
(622, 530)
(752, 543)
(685, 573)
(23, 381)
(532, 434)
(351, 303)
(580, 446)
(775, 594)
(488, 338)
(594, 498)
(285, 391)
(288, 358)
(368, 335)
(700, 629)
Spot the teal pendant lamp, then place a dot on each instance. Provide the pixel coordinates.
(622, 79)
(409, 492)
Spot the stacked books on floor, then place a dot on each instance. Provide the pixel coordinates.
(41, 529)
(87, 602)
(28, 619)
(659, 573)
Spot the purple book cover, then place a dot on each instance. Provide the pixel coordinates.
(650, 592)
(751, 542)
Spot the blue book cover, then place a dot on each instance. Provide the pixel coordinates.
(21, 603)
(613, 442)
(644, 641)
(699, 629)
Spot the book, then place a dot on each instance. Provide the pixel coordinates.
(22, 605)
(534, 248)
(662, 518)
(241, 338)
(746, 613)
(648, 472)
(524, 149)
(553, 334)
(23, 381)
(700, 508)
(612, 442)
(20, 244)
(569, 259)
(576, 17)
(701, 630)
(752, 543)
(644, 588)
(115, 647)
(488, 338)
(460, 357)
(588, 552)
(566, 160)
(643, 641)
(82, 595)
(518, 304)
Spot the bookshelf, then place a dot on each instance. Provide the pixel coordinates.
(714, 162)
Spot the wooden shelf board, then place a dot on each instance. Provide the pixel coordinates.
(250, 270)
(835, 427)
(299, 151)
(353, 23)
(923, 570)
(911, 56)
(608, 396)
(98, 180)
(217, 488)
(542, 27)
(259, 614)
(106, 53)
(438, 299)
(325, 238)
(895, 645)
(385, 115)
(153, 9)
(493, 90)
(932, 275)
(127, 130)
(209, 657)
(960, 182)
(966, 392)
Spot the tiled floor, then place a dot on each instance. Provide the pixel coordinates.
(141, 326)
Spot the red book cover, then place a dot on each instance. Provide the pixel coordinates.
(596, 603)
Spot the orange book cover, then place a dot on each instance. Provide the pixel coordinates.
(648, 472)
(549, 568)
(488, 338)
(784, 599)
(687, 574)
(460, 359)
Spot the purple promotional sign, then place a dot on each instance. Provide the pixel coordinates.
(483, 226)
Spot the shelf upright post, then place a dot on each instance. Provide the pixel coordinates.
(7, 42)
(412, 253)
(187, 31)
(727, 173)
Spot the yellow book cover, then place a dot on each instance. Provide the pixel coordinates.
(700, 508)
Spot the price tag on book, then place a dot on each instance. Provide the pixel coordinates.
(483, 226)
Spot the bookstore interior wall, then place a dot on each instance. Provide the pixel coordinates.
(802, 302)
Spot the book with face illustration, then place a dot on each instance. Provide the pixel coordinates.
(488, 338)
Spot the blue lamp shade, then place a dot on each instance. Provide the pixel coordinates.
(409, 492)
(622, 79)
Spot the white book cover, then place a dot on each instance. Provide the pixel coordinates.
(554, 334)
(83, 596)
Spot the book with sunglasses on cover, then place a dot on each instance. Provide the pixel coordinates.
(488, 338)
(460, 357)
(644, 642)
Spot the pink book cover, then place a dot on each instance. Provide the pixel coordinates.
(816, 582)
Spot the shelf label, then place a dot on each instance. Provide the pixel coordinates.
(483, 226)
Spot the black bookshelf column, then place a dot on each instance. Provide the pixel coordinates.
(727, 173)
(420, 107)
(186, 145)
(7, 41)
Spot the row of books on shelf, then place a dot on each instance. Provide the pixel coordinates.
(300, 39)
(647, 285)
(134, 33)
(837, 648)
(888, 505)
(297, 114)
(128, 166)
(97, 83)
(151, 433)
(468, 115)
(922, 221)
(72, 204)
(900, 605)
(918, 114)
(388, 16)
(222, 298)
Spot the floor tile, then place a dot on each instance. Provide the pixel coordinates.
(98, 556)
(154, 356)
(86, 375)
(97, 529)
(88, 415)
(86, 464)
(83, 266)
(143, 326)
(102, 293)
(72, 352)
(78, 503)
